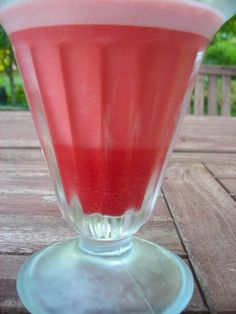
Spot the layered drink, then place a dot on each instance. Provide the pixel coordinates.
(106, 81)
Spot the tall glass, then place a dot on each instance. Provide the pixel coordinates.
(108, 82)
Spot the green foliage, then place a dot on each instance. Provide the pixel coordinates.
(20, 95)
(19, 91)
(221, 52)
(7, 57)
(229, 28)
(7, 63)
(4, 41)
(222, 49)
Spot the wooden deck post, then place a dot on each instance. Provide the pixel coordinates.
(199, 96)
(212, 95)
(226, 96)
(214, 72)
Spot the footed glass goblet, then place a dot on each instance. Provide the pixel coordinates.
(108, 83)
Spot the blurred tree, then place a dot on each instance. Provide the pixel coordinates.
(8, 62)
(222, 49)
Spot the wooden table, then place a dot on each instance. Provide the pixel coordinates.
(195, 216)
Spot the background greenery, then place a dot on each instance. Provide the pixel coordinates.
(222, 51)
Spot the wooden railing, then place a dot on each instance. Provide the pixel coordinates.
(212, 92)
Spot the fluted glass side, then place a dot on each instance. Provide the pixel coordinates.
(106, 101)
(108, 87)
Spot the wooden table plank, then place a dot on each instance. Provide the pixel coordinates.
(206, 219)
(207, 158)
(162, 233)
(197, 303)
(161, 211)
(9, 301)
(28, 204)
(230, 185)
(20, 156)
(222, 171)
(226, 96)
(25, 182)
(209, 134)
(25, 234)
(208, 140)
(16, 130)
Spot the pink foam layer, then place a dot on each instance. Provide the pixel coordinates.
(182, 15)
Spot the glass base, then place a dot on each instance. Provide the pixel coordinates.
(65, 279)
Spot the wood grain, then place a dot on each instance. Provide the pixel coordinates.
(29, 204)
(9, 301)
(197, 303)
(222, 171)
(11, 156)
(212, 95)
(226, 96)
(199, 96)
(207, 134)
(229, 185)
(206, 219)
(16, 130)
(25, 234)
(212, 72)
(25, 182)
(210, 158)
(162, 233)
(161, 211)
(218, 70)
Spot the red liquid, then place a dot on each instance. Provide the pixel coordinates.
(112, 96)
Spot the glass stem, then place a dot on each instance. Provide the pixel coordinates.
(104, 247)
